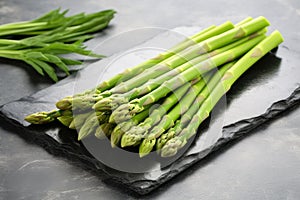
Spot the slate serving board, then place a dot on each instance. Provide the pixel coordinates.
(269, 88)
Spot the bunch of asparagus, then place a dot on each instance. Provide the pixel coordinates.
(41, 42)
(159, 104)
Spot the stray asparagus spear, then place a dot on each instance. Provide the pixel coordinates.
(43, 117)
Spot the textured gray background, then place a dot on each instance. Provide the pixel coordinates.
(265, 165)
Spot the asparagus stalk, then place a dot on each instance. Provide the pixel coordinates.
(126, 111)
(176, 143)
(82, 101)
(180, 110)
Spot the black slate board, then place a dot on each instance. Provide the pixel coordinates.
(248, 106)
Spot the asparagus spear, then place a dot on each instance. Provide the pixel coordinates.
(89, 126)
(126, 111)
(43, 117)
(176, 143)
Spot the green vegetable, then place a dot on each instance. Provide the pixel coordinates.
(43, 117)
(44, 40)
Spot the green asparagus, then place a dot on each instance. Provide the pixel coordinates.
(160, 103)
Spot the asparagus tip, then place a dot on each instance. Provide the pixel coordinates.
(164, 138)
(103, 105)
(129, 139)
(172, 146)
(146, 147)
(125, 112)
(65, 103)
(116, 136)
(39, 118)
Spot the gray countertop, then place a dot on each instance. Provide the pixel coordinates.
(264, 165)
